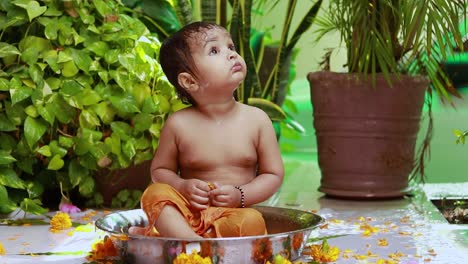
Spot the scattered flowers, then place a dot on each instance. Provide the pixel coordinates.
(2, 250)
(60, 221)
(324, 252)
(368, 230)
(382, 242)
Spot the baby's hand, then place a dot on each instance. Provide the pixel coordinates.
(197, 193)
(225, 196)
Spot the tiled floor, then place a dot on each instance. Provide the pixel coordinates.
(413, 228)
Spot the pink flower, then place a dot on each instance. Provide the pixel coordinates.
(68, 208)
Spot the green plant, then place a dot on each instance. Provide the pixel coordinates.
(80, 90)
(398, 37)
(388, 35)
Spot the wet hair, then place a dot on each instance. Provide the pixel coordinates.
(175, 55)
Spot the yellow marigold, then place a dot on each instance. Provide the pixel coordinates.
(192, 258)
(368, 229)
(60, 221)
(383, 242)
(324, 253)
(2, 250)
(279, 259)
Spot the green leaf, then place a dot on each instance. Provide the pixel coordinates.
(273, 110)
(6, 124)
(88, 119)
(56, 163)
(102, 8)
(114, 143)
(122, 129)
(33, 206)
(35, 189)
(105, 112)
(77, 173)
(65, 141)
(6, 158)
(46, 113)
(9, 178)
(126, 104)
(99, 48)
(44, 150)
(8, 50)
(69, 69)
(56, 149)
(6, 205)
(142, 122)
(33, 8)
(34, 129)
(19, 94)
(82, 59)
(87, 186)
(128, 149)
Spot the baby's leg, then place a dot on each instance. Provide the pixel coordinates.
(240, 222)
(171, 223)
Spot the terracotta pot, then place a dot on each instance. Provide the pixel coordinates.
(111, 182)
(366, 134)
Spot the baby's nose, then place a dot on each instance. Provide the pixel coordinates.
(232, 55)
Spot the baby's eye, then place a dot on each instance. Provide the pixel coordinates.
(232, 47)
(213, 51)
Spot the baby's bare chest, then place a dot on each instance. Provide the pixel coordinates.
(212, 147)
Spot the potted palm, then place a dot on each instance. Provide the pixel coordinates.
(367, 120)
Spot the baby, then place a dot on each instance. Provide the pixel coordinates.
(218, 156)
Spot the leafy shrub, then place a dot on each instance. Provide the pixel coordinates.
(80, 90)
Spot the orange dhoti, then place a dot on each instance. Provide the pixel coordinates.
(211, 222)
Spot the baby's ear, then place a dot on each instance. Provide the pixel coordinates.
(187, 81)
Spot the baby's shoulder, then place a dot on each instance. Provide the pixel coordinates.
(180, 117)
(254, 113)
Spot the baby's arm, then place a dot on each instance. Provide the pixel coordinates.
(270, 170)
(164, 168)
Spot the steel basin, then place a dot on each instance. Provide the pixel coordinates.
(288, 231)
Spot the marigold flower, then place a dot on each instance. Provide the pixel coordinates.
(383, 242)
(192, 258)
(103, 249)
(368, 229)
(262, 250)
(60, 221)
(324, 253)
(2, 250)
(279, 259)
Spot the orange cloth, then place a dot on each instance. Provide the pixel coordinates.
(211, 222)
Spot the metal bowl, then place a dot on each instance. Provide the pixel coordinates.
(288, 231)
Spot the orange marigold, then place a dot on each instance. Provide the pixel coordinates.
(102, 250)
(324, 253)
(262, 250)
(297, 241)
(60, 221)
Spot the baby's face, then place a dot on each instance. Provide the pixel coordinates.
(218, 64)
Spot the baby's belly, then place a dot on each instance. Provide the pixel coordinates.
(223, 176)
